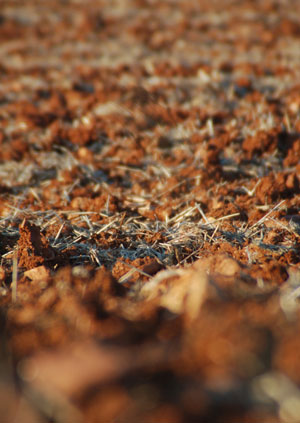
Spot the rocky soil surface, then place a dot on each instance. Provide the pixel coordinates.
(150, 211)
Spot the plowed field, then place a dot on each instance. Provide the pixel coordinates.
(150, 211)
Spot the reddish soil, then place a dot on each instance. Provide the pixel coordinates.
(150, 211)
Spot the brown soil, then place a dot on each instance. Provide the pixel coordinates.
(150, 211)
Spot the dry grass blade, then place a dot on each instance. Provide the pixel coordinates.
(229, 216)
(14, 284)
(126, 277)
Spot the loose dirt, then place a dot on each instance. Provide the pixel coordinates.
(150, 211)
